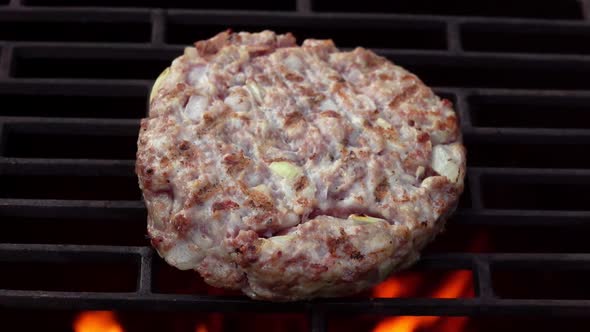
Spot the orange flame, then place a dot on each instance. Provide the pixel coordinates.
(457, 284)
(97, 321)
(212, 323)
(201, 328)
(403, 285)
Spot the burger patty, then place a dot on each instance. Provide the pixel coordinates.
(293, 172)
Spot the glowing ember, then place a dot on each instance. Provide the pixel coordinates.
(457, 284)
(403, 285)
(414, 323)
(201, 328)
(97, 321)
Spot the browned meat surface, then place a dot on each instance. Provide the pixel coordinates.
(292, 172)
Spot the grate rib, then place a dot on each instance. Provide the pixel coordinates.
(483, 279)
(506, 81)
(303, 6)
(5, 60)
(145, 273)
(317, 320)
(158, 27)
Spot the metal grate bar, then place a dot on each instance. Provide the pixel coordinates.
(2, 138)
(52, 253)
(454, 37)
(318, 321)
(474, 179)
(585, 8)
(393, 307)
(462, 108)
(75, 87)
(145, 273)
(5, 60)
(508, 78)
(240, 14)
(522, 217)
(483, 279)
(38, 208)
(410, 57)
(74, 167)
(158, 27)
(304, 6)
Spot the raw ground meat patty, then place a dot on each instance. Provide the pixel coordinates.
(293, 172)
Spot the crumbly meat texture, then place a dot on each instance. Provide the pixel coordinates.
(293, 172)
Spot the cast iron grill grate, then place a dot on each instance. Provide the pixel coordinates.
(74, 79)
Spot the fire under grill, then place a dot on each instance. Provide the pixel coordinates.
(74, 80)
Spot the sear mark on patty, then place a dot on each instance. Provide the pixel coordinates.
(224, 205)
(293, 118)
(301, 183)
(259, 200)
(381, 190)
(236, 162)
(202, 194)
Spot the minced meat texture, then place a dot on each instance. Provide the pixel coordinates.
(293, 172)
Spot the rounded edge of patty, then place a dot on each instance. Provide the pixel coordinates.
(243, 236)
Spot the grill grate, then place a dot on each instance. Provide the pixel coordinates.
(74, 78)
